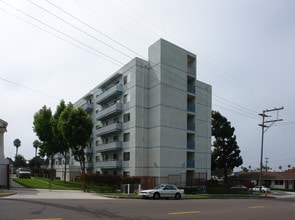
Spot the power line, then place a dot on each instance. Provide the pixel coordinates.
(90, 35)
(233, 105)
(60, 32)
(28, 88)
(42, 29)
(95, 29)
(225, 77)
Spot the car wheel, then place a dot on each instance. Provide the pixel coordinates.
(156, 195)
(177, 196)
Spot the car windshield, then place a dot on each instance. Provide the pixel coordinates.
(25, 169)
(161, 186)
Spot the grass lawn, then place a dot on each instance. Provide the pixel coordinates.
(44, 183)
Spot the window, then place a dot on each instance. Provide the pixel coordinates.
(126, 173)
(126, 156)
(115, 138)
(97, 158)
(126, 79)
(126, 117)
(126, 137)
(115, 156)
(279, 182)
(126, 99)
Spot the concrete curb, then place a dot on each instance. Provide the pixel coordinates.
(7, 193)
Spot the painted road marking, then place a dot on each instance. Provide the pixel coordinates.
(183, 213)
(44, 219)
(257, 207)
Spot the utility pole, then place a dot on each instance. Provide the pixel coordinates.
(264, 127)
(266, 161)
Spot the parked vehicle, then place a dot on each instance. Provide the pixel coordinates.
(257, 189)
(23, 173)
(162, 191)
(240, 187)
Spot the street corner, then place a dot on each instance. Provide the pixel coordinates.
(4, 193)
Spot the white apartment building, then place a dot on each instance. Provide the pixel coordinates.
(151, 118)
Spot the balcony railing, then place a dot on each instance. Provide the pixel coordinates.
(191, 108)
(191, 70)
(112, 128)
(190, 163)
(109, 94)
(109, 164)
(191, 126)
(191, 89)
(88, 150)
(109, 111)
(87, 106)
(88, 165)
(113, 146)
(191, 145)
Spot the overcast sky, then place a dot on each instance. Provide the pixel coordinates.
(52, 50)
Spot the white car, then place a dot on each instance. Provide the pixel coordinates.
(162, 191)
(23, 173)
(257, 189)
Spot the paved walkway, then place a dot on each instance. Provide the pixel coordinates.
(19, 192)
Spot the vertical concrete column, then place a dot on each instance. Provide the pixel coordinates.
(4, 163)
(3, 126)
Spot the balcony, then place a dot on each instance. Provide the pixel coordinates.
(109, 111)
(191, 70)
(112, 128)
(88, 150)
(109, 164)
(87, 106)
(191, 126)
(191, 89)
(191, 145)
(190, 163)
(88, 165)
(191, 108)
(109, 94)
(114, 146)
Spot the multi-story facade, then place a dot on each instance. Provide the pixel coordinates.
(151, 118)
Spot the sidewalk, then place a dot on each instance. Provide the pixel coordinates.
(19, 192)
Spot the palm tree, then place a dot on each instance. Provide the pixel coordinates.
(17, 144)
(36, 144)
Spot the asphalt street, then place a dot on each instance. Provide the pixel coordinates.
(25, 203)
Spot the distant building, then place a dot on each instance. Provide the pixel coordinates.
(151, 118)
(274, 180)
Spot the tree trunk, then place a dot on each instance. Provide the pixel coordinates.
(65, 173)
(225, 174)
(51, 166)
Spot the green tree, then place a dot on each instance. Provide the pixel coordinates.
(76, 127)
(226, 152)
(35, 163)
(36, 145)
(59, 140)
(19, 161)
(42, 126)
(17, 144)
